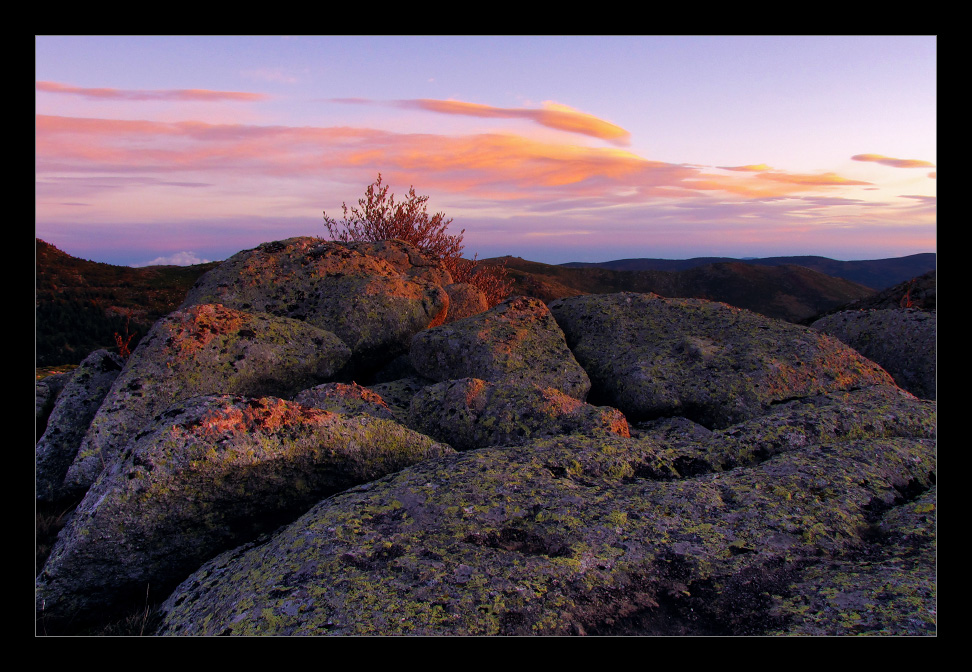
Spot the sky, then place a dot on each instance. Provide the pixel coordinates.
(184, 149)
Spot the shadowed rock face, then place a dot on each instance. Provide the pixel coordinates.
(75, 408)
(374, 296)
(212, 473)
(515, 340)
(203, 349)
(901, 340)
(712, 363)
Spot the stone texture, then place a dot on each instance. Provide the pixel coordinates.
(75, 408)
(578, 534)
(715, 364)
(518, 339)
(470, 413)
(212, 473)
(371, 295)
(204, 349)
(902, 340)
(465, 300)
(346, 399)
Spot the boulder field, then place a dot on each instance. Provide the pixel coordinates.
(312, 445)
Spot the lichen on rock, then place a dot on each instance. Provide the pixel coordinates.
(212, 473)
(515, 340)
(564, 535)
(715, 364)
(203, 349)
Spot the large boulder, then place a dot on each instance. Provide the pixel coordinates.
(584, 534)
(710, 362)
(374, 296)
(210, 474)
(517, 339)
(471, 413)
(901, 340)
(68, 422)
(203, 349)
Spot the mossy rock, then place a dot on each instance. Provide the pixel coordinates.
(565, 535)
(471, 413)
(517, 339)
(204, 349)
(715, 364)
(211, 474)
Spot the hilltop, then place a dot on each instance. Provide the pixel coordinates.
(81, 304)
(789, 292)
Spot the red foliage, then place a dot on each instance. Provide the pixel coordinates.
(381, 218)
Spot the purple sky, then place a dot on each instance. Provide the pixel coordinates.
(555, 149)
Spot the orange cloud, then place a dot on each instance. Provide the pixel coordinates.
(553, 115)
(182, 95)
(888, 161)
(492, 166)
(758, 168)
(819, 180)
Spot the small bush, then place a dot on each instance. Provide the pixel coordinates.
(379, 217)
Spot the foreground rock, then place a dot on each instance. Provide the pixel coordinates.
(717, 365)
(515, 340)
(211, 474)
(76, 406)
(584, 534)
(902, 341)
(374, 296)
(471, 413)
(204, 349)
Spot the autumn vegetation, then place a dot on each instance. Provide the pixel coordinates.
(380, 217)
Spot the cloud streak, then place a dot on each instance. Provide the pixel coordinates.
(177, 95)
(492, 166)
(895, 163)
(552, 115)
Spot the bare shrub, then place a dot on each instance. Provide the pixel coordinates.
(379, 217)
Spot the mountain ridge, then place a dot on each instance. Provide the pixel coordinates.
(877, 274)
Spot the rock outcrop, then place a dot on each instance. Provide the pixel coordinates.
(574, 534)
(203, 349)
(712, 363)
(309, 446)
(374, 296)
(901, 340)
(210, 474)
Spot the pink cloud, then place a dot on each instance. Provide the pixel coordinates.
(181, 95)
(552, 115)
(486, 166)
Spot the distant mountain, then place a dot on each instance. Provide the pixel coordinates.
(786, 292)
(80, 305)
(876, 274)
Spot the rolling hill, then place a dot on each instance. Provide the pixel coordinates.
(875, 273)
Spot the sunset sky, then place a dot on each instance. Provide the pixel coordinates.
(188, 149)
